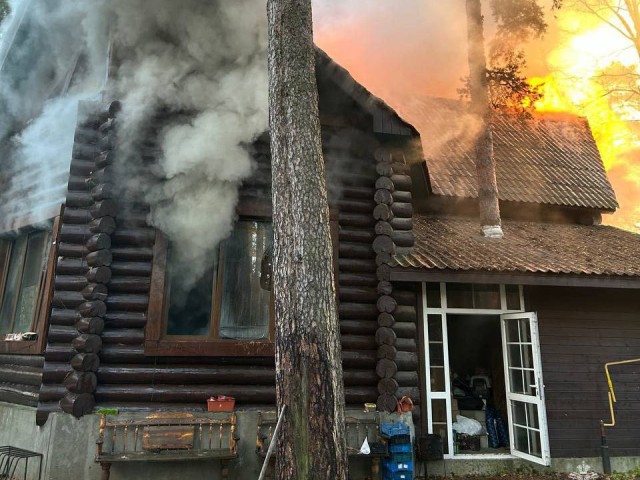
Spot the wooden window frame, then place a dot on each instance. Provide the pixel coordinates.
(43, 303)
(158, 343)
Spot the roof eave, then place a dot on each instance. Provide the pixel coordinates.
(403, 274)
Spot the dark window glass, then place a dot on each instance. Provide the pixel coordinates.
(433, 295)
(24, 260)
(233, 299)
(468, 295)
(190, 308)
(246, 304)
(513, 297)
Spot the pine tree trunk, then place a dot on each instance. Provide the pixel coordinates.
(311, 442)
(485, 163)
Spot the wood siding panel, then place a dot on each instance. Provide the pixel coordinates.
(580, 330)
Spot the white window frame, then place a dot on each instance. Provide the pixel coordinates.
(443, 311)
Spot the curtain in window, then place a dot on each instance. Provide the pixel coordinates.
(245, 305)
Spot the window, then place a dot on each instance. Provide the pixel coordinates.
(24, 261)
(227, 312)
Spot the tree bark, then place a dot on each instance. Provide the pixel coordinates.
(311, 444)
(479, 87)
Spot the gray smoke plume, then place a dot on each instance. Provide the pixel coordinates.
(45, 71)
(201, 66)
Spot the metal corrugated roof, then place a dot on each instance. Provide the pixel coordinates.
(549, 159)
(456, 243)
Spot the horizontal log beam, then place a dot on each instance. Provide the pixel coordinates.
(123, 336)
(356, 220)
(21, 375)
(350, 205)
(358, 342)
(133, 303)
(125, 319)
(356, 265)
(357, 311)
(347, 234)
(357, 280)
(355, 250)
(358, 294)
(134, 269)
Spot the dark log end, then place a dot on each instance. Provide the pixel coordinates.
(387, 351)
(385, 288)
(78, 405)
(95, 291)
(90, 325)
(386, 304)
(385, 336)
(383, 212)
(383, 272)
(99, 275)
(95, 308)
(87, 343)
(100, 258)
(387, 386)
(383, 196)
(386, 320)
(386, 368)
(387, 403)
(85, 362)
(384, 244)
(80, 382)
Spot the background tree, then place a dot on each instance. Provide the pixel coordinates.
(620, 82)
(517, 22)
(502, 86)
(311, 442)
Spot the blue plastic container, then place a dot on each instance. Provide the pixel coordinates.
(392, 429)
(401, 457)
(389, 475)
(394, 466)
(402, 448)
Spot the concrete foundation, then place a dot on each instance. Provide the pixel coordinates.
(68, 448)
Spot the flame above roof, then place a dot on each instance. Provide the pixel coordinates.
(549, 159)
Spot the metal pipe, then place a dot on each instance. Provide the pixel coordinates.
(604, 450)
(274, 439)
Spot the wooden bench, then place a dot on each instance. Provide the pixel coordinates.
(357, 428)
(166, 437)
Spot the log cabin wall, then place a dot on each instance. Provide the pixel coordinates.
(82, 270)
(396, 333)
(95, 353)
(20, 378)
(581, 329)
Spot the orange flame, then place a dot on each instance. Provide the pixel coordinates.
(576, 86)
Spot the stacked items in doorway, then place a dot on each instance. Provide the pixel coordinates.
(399, 464)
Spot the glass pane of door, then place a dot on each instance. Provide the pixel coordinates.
(525, 390)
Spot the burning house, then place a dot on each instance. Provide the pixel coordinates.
(149, 290)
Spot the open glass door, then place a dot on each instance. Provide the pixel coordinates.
(525, 390)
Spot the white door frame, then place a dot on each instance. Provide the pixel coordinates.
(536, 399)
(443, 310)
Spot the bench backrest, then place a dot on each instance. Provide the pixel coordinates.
(166, 431)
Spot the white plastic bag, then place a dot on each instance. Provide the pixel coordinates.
(467, 425)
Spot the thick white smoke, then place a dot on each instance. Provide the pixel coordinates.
(200, 66)
(46, 70)
(204, 62)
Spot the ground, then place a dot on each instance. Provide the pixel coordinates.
(634, 475)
